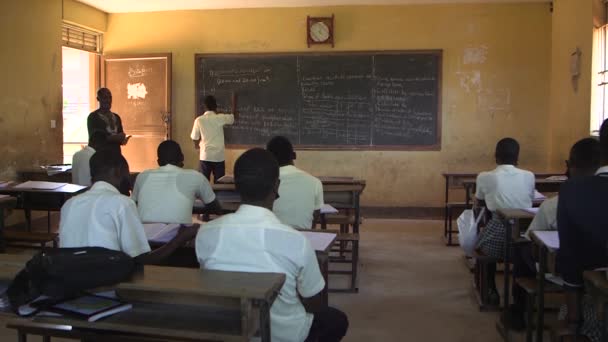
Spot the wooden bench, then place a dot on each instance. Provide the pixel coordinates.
(530, 286)
(480, 283)
(26, 239)
(452, 209)
(353, 239)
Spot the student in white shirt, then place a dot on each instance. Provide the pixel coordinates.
(584, 160)
(208, 136)
(102, 217)
(300, 194)
(167, 194)
(254, 240)
(505, 187)
(81, 173)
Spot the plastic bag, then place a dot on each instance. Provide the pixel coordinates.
(467, 230)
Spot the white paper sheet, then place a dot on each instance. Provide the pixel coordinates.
(319, 241)
(39, 185)
(328, 209)
(538, 195)
(161, 232)
(550, 238)
(532, 210)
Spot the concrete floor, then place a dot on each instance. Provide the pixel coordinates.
(411, 288)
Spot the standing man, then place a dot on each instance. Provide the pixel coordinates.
(104, 120)
(208, 136)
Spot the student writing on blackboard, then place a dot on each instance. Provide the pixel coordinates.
(104, 120)
(208, 136)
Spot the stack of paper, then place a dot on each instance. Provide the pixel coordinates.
(532, 210)
(319, 241)
(227, 179)
(557, 178)
(549, 238)
(538, 195)
(161, 232)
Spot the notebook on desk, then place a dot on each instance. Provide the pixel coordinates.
(319, 241)
(161, 232)
(90, 307)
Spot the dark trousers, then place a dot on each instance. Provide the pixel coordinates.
(328, 325)
(217, 168)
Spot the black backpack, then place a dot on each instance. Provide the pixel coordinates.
(65, 272)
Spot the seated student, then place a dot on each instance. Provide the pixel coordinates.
(505, 187)
(254, 240)
(167, 194)
(582, 223)
(300, 194)
(81, 173)
(102, 217)
(583, 161)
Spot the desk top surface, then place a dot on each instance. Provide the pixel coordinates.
(597, 279)
(65, 189)
(191, 281)
(474, 174)
(338, 187)
(7, 202)
(516, 214)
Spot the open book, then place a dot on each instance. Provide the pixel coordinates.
(161, 232)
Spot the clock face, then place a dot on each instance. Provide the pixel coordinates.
(319, 32)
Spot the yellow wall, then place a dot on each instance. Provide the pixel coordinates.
(30, 89)
(496, 76)
(84, 15)
(570, 108)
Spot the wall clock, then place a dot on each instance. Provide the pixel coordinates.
(320, 30)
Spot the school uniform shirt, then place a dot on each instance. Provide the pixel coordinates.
(167, 194)
(209, 129)
(102, 217)
(582, 223)
(300, 194)
(545, 218)
(81, 171)
(254, 240)
(506, 187)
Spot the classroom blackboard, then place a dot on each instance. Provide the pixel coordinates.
(357, 100)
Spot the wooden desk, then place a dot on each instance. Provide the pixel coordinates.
(546, 252)
(542, 185)
(340, 195)
(5, 203)
(177, 303)
(512, 220)
(596, 285)
(39, 199)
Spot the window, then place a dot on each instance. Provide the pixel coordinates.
(599, 79)
(80, 72)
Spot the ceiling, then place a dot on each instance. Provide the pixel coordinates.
(125, 6)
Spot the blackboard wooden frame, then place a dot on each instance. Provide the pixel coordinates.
(434, 147)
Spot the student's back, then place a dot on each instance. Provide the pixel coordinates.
(506, 187)
(300, 194)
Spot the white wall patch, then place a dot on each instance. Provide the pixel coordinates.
(475, 55)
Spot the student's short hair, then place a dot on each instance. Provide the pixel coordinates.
(104, 162)
(282, 150)
(585, 154)
(169, 152)
(98, 139)
(210, 102)
(604, 140)
(103, 90)
(255, 174)
(507, 151)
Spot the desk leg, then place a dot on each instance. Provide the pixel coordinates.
(357, 212)
(540, 296)
(21, 336)
(605, 325)
(265, 321)
(28, 219)
(507, 274)
(445, 212)
(2, 242)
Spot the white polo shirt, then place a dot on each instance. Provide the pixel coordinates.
(81, 171)
(209, 128)
(102, 217)
(167, 194)
(254, 240)
(506, 187)
(300, 194)
(545, 218)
